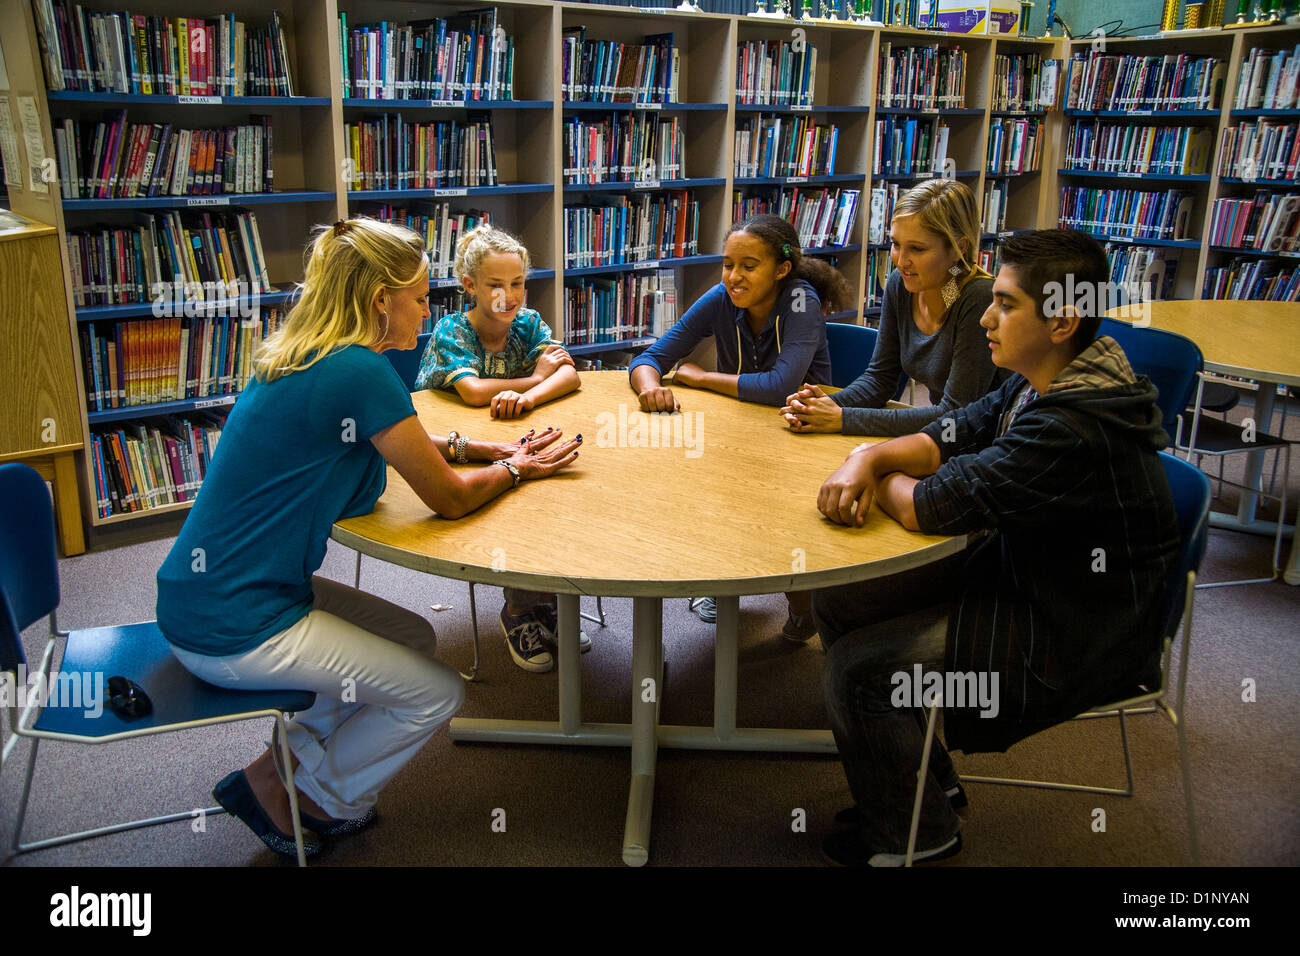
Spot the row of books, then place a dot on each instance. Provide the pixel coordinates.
(994, 210)
(989, 257)
(1127, 213)
(607, 71)
(171, 56)
(1175, 81)
(621, 308)
(625, 148)
(1268, 80)
(387, 152)
(1269, 222)
(1014, 145)
(775, 73)
(147, 361)
(905, 146)
(630, 229)
(821, 217)
(168, 260)
(468, 56)
(139, 467)
(1023, 81)
(1268, 280)
(115, 160)
(1261, 150)
(1149, 271)
(443, 302)
(879, 266)
(440, 227)
(921, 77)
(785, 146)
(883, 199)
(1135, 148)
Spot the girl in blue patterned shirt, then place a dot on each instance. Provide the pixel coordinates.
(500, 354)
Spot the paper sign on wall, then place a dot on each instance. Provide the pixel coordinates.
(9, 146)
(30, 119)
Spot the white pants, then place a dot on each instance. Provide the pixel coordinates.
(380, 694)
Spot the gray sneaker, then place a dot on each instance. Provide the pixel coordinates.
(706, 609)
(549, 618)
(524, 638)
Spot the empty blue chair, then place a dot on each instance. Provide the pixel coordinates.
(407, 361)
(29, 590)
(851, 347)
(1190, 490)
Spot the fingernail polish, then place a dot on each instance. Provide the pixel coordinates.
(579, 438)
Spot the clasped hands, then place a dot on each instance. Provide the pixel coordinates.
(512, 404)
(811, 410)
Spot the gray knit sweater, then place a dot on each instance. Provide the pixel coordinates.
(954, 363)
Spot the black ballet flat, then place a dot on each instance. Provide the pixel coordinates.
(237, 798)
(338, 828)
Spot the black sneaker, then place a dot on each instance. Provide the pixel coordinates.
(548, 617)
(852, 816)
(524, 638)
(846, 848)
(799, 627)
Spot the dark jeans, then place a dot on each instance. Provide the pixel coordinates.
(871, 631)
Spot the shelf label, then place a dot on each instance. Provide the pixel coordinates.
(1290, 255)
(802, 107)
(208, 201)
(1006, 233)
(445, 104)
(1118, 239)
(460, 191)
(199, 100)
(214, 402)
(648, 106)
(1138, 112)
(924, 174)
(646, 184)
(1130, 175)
(446, 283)
(649, 264)
(796, 179)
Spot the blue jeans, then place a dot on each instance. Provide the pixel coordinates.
(881, 744)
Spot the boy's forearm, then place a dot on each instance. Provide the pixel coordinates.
(914, 455)
(894, 495)
(719, 382)
(644, 377)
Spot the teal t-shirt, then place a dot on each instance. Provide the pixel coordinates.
(294, 457)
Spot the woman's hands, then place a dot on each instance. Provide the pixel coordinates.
(500, 450)
(541, 457)
(812, 410)
(853, 483)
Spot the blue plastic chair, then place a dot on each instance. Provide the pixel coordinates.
(29, 590)
(1190, 489)
(407, 364)
(407, 361)
(1172, 362)
(851, 347)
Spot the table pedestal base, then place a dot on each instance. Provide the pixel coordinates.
(645, 734)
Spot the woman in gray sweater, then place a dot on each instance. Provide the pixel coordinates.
(929, 326)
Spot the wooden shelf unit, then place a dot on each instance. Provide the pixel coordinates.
(309, 144)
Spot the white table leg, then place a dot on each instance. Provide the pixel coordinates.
(725, 666)
(570, 675)
(647, 620)
(1255, 459)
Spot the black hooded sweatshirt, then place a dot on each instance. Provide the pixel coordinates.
(1063, 597)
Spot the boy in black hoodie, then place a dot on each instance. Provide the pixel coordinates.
(1056, 604)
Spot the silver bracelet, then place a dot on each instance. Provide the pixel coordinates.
(462, 450)
(514, 472)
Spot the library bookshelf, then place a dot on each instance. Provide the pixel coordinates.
(313, 183)
(1192, 253)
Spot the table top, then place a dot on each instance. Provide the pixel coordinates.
(1255, 340)
(719, 499)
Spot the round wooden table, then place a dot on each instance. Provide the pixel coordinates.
(719, 500)
(1259, 341)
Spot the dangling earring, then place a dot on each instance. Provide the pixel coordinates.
(950, 290)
